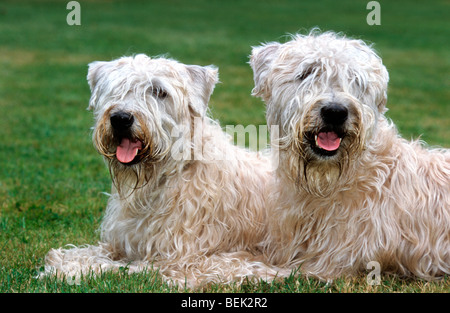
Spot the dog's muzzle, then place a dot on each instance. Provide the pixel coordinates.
(327, 140)
(128, 147)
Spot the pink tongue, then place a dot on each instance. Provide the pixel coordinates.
(127, 150)
(328, 141)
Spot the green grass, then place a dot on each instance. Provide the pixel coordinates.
(52, 180)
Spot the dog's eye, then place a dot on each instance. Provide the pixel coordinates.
(302, 76)
(159, 93)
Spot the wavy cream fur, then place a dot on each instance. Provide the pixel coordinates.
(379, 198)
(198, 219)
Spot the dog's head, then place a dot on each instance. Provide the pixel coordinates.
(325, 92)
(321, 85)
(139, 101)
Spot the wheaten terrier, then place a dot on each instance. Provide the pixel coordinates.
(349, 190)
(184, 199)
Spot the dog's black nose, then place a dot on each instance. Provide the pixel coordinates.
(334, 113)
(121, 120)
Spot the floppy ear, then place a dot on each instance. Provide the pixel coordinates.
(95, 72)
(384, 79)
(261, 61)
(382, 89)
(378, 78)
(204, 79)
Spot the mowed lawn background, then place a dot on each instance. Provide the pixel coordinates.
(52, 181)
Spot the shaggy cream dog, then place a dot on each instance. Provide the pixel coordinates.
(349, 190)
(184, 199)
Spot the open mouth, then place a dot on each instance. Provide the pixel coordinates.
(128, 151)
(329, 141)
(326, 142)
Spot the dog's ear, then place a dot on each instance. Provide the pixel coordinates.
(204, 79)
(378, 78)
(95, 72)
(384, 80)
(261, 61)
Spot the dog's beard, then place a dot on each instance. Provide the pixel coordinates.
(135, 174)
(323, 157)
(319, 177)
(128, 179)
(322, 173)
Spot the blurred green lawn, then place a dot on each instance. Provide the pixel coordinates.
(51, 178)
